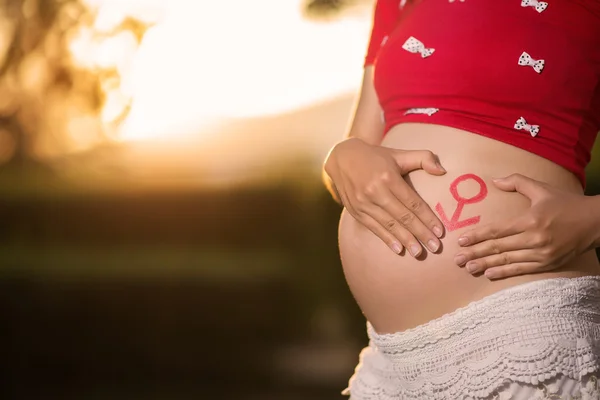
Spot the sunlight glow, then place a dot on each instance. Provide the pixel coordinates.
(206, 62)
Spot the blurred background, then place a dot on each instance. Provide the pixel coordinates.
(164, 233)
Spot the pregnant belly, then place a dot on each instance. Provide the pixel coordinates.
(398, 292)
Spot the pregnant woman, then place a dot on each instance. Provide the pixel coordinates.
(466, 238)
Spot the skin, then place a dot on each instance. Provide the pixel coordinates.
(543, 217)
(374, 200)
(496, 249)
(455, 222)
(556, 228)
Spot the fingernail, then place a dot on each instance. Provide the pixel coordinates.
(396, 248)
(437, 163)
(433, 245)
(460, 259)
(415, 249)
(462, 241)
(438, 231)
(491, 274)
(472, 267)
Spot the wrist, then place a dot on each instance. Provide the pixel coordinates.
(330, 164)
(326, 173)
(331, 155)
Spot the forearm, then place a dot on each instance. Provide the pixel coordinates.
(366, 125)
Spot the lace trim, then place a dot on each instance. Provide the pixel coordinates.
(555, 296)
(551, 391)
(531, 334)
(379, 380)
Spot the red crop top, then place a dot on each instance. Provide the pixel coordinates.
(525, 72)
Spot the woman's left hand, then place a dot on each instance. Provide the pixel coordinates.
(557, 227)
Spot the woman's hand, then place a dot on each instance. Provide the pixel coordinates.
(369, 182)
(558, 226)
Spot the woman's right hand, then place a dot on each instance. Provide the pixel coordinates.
(369, 181)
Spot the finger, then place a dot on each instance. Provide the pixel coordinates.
(383, 226)
(528, 187)
(414, 205)
(407, 213)
(492, 247)
(391, 225)
(516, 269)
(386, 236)
(508, 258)
(418, 159)
(372, 225)
(494, 230)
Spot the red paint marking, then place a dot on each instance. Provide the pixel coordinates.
(453, 223)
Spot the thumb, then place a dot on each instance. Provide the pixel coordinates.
(528, 187)
(411, 160)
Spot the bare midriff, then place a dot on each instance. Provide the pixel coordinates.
(399, 292)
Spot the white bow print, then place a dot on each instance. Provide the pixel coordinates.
(521, 124)
(415, 46)
(539, 5)
(525, 59)
(429, 111)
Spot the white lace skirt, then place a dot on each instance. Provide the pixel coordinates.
(537, 340)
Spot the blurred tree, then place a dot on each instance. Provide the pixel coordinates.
(325, 8)
(42, 89)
